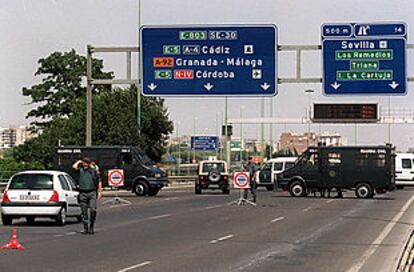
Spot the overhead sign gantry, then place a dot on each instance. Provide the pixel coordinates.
(364, 58)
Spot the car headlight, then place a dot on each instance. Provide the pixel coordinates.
(157, 175)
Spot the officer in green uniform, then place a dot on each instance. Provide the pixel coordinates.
(90, 187)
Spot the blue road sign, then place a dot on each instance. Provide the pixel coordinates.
(205, 143)
(364, 58)
(209, 60)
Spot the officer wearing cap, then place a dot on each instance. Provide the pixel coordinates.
(90, 188)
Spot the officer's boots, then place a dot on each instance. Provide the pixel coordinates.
(92, 228)
(85, 228)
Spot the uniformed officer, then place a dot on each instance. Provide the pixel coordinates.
(90, 187)
(251, 167)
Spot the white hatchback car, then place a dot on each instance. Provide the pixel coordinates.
(32, 194)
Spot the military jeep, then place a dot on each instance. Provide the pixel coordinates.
(212, 174)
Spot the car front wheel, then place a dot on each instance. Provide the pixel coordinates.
(7, 220)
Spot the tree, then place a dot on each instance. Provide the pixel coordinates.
(60, 90)
(61, 107)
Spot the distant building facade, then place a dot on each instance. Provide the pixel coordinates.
(300, 142)
(11, 137)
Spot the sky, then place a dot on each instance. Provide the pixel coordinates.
(32, 29)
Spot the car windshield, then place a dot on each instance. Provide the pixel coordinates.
(32, 182)
(218, 166)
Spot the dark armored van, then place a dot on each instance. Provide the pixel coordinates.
(365, 169)
(141, 176)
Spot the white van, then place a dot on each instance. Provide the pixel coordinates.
(269, 170)
(404, 170)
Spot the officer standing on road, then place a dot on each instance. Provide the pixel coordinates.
(251, 167)
(90, 187)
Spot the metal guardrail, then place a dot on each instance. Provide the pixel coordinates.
(181, 179)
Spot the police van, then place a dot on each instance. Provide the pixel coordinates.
(266, 176)
(365, 169)
(140, 174)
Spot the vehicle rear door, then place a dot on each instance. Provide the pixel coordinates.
(74, 194)
(30, 188)
(66, 194)
(406, 169)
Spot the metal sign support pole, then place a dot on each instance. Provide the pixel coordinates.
(242, 201)
(116, 200)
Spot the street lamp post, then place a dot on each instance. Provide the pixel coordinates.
(309, 111)
(179, 149)
(194, 134)
(241, 134)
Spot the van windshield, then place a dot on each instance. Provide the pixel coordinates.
(32, 182)
(144, 159)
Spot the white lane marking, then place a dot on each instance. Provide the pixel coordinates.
(135, 266)
(307, 209)
(222, 239)
(384, 233)
(58, 235)
(278, 219)
(171, 198)
(160, 216)
(330, 200)
(118, 206)
(213, 207)
(70, 233)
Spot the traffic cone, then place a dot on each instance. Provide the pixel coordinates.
(13, 243)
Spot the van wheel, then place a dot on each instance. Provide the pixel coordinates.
(226, 191)
(270, 187)
(7, 220)
(141, 188)
(297, 189)
(79, 218)
(364, 190)
(197, 190)
(61, 218)
(400, 187)
(153, 191)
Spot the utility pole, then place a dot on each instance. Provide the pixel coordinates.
(309, 92)
(179, 150)
(227, 136)
(194, 134)
(389, 119)
(241, 135)
(271, 129)
(88, 96)
(139, 71)
(262, 132)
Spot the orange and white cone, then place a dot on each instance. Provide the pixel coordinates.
(13, 243)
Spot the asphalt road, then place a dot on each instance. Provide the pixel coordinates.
(181, 231)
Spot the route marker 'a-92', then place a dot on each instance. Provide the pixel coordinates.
(220, 60)
(364, 58)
